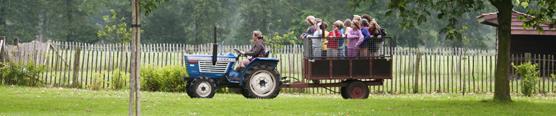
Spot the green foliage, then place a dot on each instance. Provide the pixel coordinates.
(189, 21)
(169, 78)
(149, 79)
(192, 21)
(115, 29)
(279, 41)
(542, 12)
(119, 79)
(147, 6)
(529, 74)
(451, 26)
(97, 81)
(20, 74)
(172, 78)
(50, 19)
(115, 80)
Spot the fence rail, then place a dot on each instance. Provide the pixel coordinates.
(415, 70)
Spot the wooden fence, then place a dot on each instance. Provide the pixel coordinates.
(416, 70)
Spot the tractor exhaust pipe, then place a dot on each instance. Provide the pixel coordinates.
(214, 48)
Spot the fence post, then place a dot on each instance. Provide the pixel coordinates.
(2, 41)
(527, 57)
(417, 71)
(76, 67)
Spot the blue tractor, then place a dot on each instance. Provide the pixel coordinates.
(207, 73)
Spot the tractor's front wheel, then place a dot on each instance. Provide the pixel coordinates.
(201, 88)
(261, 82)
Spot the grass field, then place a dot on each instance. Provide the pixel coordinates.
(59, 101)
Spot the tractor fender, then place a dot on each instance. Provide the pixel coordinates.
(272, 62)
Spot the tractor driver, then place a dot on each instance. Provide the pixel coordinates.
(258, 49)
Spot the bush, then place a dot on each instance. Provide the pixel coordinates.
(530, 77)
(169, 78)
(172, 78)
(20, 74)
(97, 81)
(119, 79)
(149, 79)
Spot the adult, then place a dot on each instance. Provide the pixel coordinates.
(258, 49)
(311, 21)
(355, 38)
(377, 39)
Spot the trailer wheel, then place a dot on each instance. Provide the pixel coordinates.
(343, 92)
(261, 81)
(355, 90)
(201, 88)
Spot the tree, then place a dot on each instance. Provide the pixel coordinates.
(115, 29)
(415, 12)
(134, 95)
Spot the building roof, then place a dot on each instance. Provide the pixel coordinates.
(517, 25)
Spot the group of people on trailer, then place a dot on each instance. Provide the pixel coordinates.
(357, 37)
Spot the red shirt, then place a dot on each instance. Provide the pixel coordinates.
(333, 38)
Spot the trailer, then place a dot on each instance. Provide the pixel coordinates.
(323, 59)
(353, 72)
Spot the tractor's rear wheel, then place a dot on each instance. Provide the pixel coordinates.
(261, 81)
(201, 88)
(355, 90)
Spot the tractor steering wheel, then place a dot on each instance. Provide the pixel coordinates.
(238, 51)
(239, 54)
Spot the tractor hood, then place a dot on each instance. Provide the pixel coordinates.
(229, 57)
(201, 65)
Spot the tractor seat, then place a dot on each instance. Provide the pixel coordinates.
(266, 53)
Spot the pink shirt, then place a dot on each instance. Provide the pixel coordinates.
(355, 38)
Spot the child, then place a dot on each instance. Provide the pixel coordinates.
(333, 38)
(364, 46)
(324, 27)
(344, 41)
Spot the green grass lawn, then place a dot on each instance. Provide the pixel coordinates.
(62, 101)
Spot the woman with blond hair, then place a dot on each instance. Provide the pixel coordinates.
(355, 38)
(258, 49)
(376, 35)
(311, 21)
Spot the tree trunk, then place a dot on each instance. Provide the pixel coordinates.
(135, 95)
(69, 16)
(502, 82)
